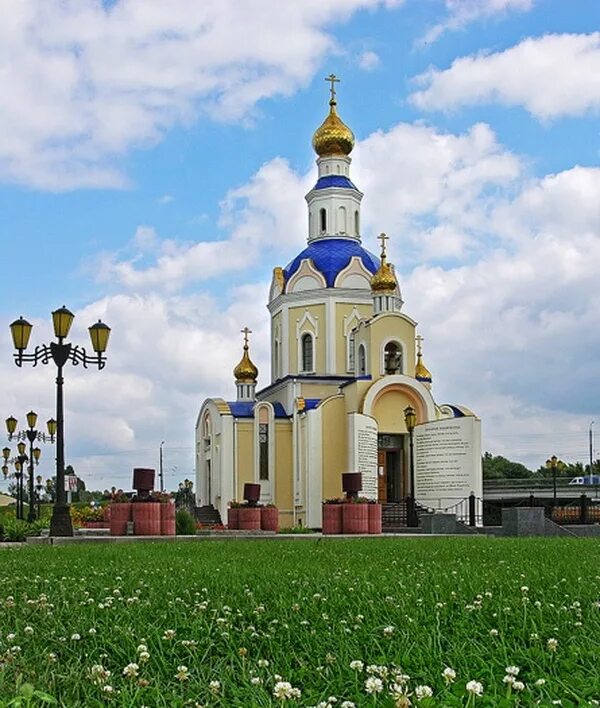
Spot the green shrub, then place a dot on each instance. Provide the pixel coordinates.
(185, 523)
(18, 530)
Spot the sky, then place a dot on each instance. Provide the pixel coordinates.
(154, 159)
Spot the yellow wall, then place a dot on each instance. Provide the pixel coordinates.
(245, 455)
(389, 412)
(335, 447)
(296, 315)
(284, 468)
(343, 310)
(354, 394)
(382, 329)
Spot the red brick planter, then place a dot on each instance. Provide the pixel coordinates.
(269, 518)
(167, 519)
(374, 518)
(120, 514)
(355, 518)
(233, 518)
(249, 518)
(332, 518)
(95, 525)
(146, 518)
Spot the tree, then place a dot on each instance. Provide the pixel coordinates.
(498, 467)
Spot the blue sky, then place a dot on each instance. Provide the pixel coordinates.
(152, 171)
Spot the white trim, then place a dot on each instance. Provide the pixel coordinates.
(358, 345)
(267, 486)
(330, 343)
(355, 267)
(390, 381)
(314, 473)
(307, 272)
(348, 325)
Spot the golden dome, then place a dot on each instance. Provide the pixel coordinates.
(422, 373)
(245, 371)
(333, 137)
(384, 280)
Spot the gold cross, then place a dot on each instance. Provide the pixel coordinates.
(246, 332)
(333, 79)
(383, 238)
(420, 340)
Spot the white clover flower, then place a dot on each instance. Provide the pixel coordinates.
(512, 670)
(348, 704)
(143, 657)
(524, 588)
(552, 644)
(169, 634)
(388, 631)
(518, 686)
(256, 681)
(540, 682)
(449, 675)
(76, 637)
(52, 657)
(91, 631)
(131, 670)
(493, 632)
(263, 663)
(108, 689)
(475, 687)
(357, 665)
(183, 673)
(373, 685)
(423, 692)
(99, 674)
(214, 687)
(283, 690)
(509, 678)
(28, 630)
(10, 637)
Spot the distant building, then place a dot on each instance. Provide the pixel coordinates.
(345, 362)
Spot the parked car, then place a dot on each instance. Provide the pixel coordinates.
(588, 479)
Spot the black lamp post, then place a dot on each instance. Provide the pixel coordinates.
(17, 462)
(554, 464)
(60, 353)
(410, 420)
(38, 494)
(32, 435)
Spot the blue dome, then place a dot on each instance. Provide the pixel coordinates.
(334, 181)
(330, 256)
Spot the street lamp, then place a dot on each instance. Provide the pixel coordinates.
(410, 420)
(32, 435)
(38, 489)
(554, 464)
(60, 353)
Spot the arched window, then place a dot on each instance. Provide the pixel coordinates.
(307, 352)
(341, 226)
(362, 360)
(351, 351)
(392, 358)
(356, 223)
(323, 218)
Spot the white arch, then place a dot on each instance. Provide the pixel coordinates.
(420, 390)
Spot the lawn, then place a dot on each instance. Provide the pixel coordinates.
(369, 622)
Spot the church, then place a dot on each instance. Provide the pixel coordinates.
(346, 361)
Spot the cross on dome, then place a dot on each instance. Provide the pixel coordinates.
(383, 238)
(246, 332)
(333, 79)
(419, 341)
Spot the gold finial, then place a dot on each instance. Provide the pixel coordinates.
(384, 279)
(333, 138)
(245, 371)
(383, 238)
(333, 80)
(422, 373)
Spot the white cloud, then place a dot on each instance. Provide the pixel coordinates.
(81, 83)
(368, 60)
(165, 199)
(463, 12)
(550, 76)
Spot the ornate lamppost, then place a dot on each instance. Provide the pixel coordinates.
(60, 352)
(38, 494)
(17, 462)
(554, 464)
(32, 435)
(410, 420)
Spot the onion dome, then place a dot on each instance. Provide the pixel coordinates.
(245, 371)
(333, 138)
(384, 280)
(422, 373)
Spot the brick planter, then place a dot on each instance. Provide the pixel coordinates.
(269, 518)
(355, 518)
(374, 518)
(95, 525)
(167, 519)
(233, 518)
(120, 514)
(332, 518)
(146, 518)
(249, 518)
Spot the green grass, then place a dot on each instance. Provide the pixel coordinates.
(307, 607)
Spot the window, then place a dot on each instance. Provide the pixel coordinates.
(307, 352)
(356, 223)
(323, 218)
(263, 451)
(341, 220)
(392, 358)
(362, 360)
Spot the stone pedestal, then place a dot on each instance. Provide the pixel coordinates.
(523, 521)
(438, 523)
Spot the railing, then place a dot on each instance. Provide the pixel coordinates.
(468, 510)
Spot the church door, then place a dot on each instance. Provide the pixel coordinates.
(390, 468)
(381, 478)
